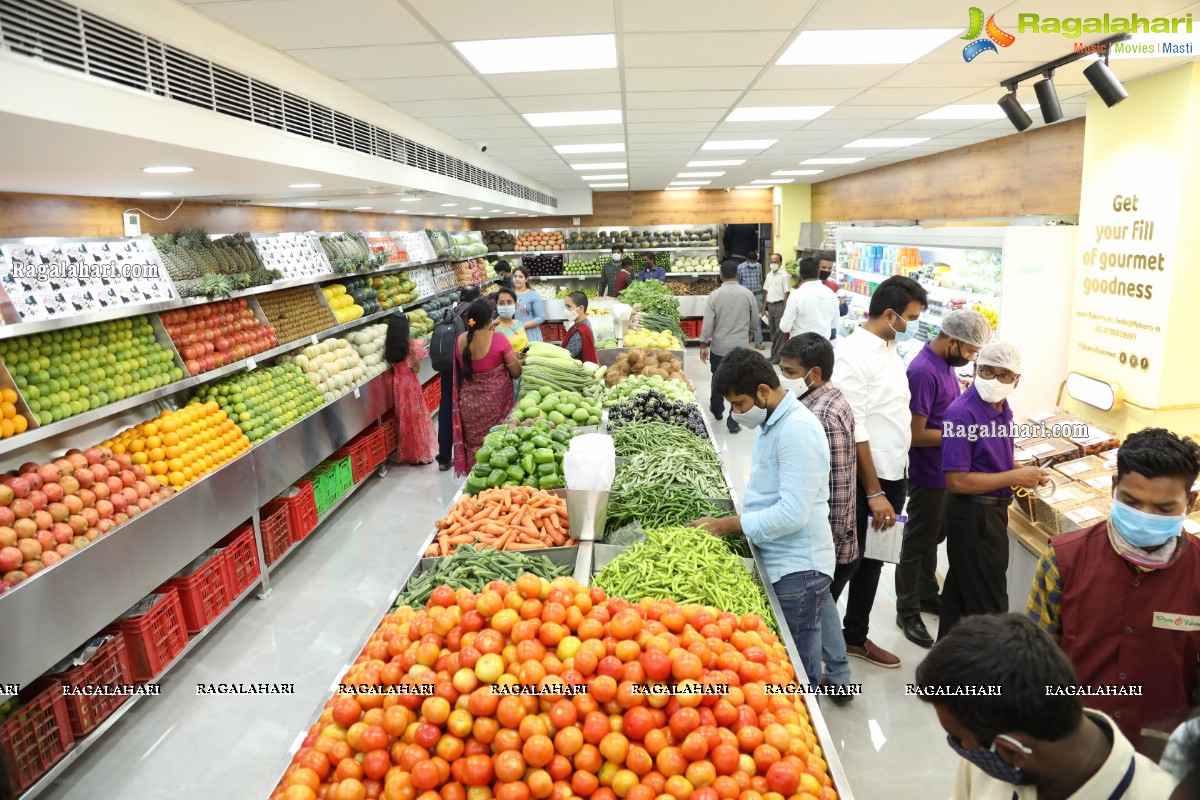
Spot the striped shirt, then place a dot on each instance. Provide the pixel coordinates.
(750, 275)
(828, 405)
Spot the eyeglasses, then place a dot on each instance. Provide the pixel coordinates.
(989, 373)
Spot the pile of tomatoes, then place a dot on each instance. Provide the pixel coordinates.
(421, 716)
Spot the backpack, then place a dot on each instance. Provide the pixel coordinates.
(442, 341)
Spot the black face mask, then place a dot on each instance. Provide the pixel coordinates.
(825, 273)
(958, 360)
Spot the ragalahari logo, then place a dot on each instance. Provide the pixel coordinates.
(995, 36)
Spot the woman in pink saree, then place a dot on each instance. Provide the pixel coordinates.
(417, 443)
(485, 367)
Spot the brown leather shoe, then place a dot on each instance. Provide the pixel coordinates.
(873, 654)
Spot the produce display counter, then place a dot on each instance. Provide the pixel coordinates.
(1026, 541)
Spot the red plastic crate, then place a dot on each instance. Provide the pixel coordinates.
(273, 522)
(241, 559)
(377, 451)
(108, 666)
(391, 438)
(358, 450)
(431, 390)
(204, 594)
(302, 511)
(553, 331)
(156, 637)
(39, 733)
(691, 327)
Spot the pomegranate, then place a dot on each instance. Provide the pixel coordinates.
(65, 549)
(105, 525)
(30, 548)
(91, 516)
(6, 495)
(31, 568)
(43, 520)
(80, 542)
(153, 482)
(78, 460)
(120, 518)
(25, 528)
(61, 532)
(35, 481)
(142, 489)
(76, 503)
(46, 540)
(115, 484)
(53, 491)
(8, 538)
(92, 534)
(50, 558)
(15, 578)
(100, 490)
(144, 503)
(19, 486)
(85, 477)
(58, 512)
(39, 499)
(124, 460)
(7, 517)
(113, 466)
(70, 484)
(28, 466)
(22, 508)
(118, 501)
(139, 472)
(77, 523)
(94, 455)
(10, 558)
(132, 510)
(49, 473)
(100, 472)
(64, 466)
(105, 509)
(127, 477)
(131, 495)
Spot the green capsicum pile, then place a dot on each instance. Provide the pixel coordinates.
(529, 454)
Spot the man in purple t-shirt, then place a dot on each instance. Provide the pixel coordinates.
(977, 457)
(933, 385)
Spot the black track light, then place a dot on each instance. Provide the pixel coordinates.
(1012, 109)
(1047, 99)
(1105, 83)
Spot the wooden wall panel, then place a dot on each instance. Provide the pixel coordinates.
(69, 215)
(1036, 172)
(636, 209)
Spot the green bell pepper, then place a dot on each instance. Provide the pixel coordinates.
(498, 461)
(494, 440)
(547, 469)
(484, 454)
(550, 482)
(516, 473)
(531, 482)
(543, 456)
(560, 435)
(497, 477)
(528, 464)
(475, 485)
(482, 469)
(540, 441)
(526, 448)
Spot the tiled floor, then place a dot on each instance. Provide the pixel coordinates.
(330, 594)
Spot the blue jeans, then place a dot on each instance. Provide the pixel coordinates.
(833, 645)
(803, 598)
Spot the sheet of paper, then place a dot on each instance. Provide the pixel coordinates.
(885, 545)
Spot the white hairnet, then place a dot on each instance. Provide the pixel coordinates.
(1001, 354)
(967, 326)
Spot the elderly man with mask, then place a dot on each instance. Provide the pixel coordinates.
(933, 386)
(977, 458)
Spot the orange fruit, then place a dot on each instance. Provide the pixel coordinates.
(157, 454)
(153, 441)
(176, 464)
(174, 451)
(7, 428)
(171, 438)
(175, 478)
(20, 424)
(136, 445)
(8, 396)
(7, 410)
(139, 458)
(168, 426)
(150, 429)
(159, 467)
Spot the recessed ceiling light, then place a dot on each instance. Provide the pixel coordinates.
(166, 170)
(750, 187)
(561, 119)
(449, 205)
(732, 162)
(568, 149)
(362, 208)
(971, 111)
(773, 180)
(410, 199)
(452, 215)
(510, 213)
(475, 208)
(690, 183)
(306, 204)
(608, 185)
(885, 142)
(540, 53)
(615, 177)
(700, 174)
(401, 211)
(682, 189)
(739, 144)
(875, 46)
(494, 211)
(797, 171)
(600, 166)
(775, 113)
(155, 194)
(831, 160)
(304, 186)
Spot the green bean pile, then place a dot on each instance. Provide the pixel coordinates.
(658, 506)
(672, 467)
(649, 437)
(471, 568)
(690, 566)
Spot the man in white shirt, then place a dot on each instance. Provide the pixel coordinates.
(873, 379)
(775, 288)
(811, 308)
(1032, 738)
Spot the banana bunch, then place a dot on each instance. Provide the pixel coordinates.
(989, 313)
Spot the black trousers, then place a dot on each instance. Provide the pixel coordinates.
(446, 421)
(862, 575)
(916, 574)
(716, 403)
(977, 548)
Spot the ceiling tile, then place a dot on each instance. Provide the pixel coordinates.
(503, 19)
(889, 114)
(580, 81)
(400, 90)
(382, 61)
(709, 15)
(482, 122)
(698, 99)
(847, 126)
(508, 134)
(928, 98)
(831, 15)
(566, 102)
(669, 127)
(670, 79)
(827, 77)
(584, 133)
(682, 114)
(978, 74)
(694, 139)
(300, 24)
(797, 97)
(710, 49)
(451, 108)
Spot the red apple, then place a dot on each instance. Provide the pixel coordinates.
(53, 491)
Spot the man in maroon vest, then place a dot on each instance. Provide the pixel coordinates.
(1123, 597)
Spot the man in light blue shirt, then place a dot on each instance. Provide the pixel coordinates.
(785, 513)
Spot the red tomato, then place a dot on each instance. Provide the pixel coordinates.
(725, 758)
(764, 756)
(684, 721)
(700, 773)
(478, 771)
(670, 762)
(509, 766)
(373, 738)
(512, 791)
(559, 768)
(726, 787)
(749, 737)
(639, 760)
(783, 777)
(595, 727)
(584, 784)
(425, 775)
(640, 792)
(686, 665)
(705, 793)
(568, 741)
(694, 746)
(656, 664)
(540, 784)
(376, 764)
(679, 787)
(346, 711)
(538, 750)
(614, 747)
(603, 688)
(588, 759)
(637, 723)
(563, 714)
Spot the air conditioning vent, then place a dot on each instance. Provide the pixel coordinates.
(66, 36)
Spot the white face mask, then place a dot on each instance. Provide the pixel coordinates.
(616, 256)
(797, 386)
(775, 267)
(993, 391)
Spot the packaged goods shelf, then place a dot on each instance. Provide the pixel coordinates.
(628, 247)
(596, 276)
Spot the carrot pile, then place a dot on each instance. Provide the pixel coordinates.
(513, 518)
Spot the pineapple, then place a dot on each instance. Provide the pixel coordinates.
(216, 286)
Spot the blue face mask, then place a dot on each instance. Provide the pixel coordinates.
(990, 763)
(1144, 530)
(907, 334)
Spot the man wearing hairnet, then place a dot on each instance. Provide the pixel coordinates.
(977, 458)
(933, 385)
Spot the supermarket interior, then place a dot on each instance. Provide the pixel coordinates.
(486, 339)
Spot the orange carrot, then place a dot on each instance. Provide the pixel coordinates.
(526, 546)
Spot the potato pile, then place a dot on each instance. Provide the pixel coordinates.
(296, 313)
(639, 361)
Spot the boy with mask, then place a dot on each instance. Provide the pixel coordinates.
(1123, 597)
(1026, 743)
(750, 275)
(933, 384)
(785, 512)
(579, 340)
(608, 273)
(775, 293)
(977, 459)
(806, 363)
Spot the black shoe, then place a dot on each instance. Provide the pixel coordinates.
(718, 417)
(736, 429)
(840, 700)
(934, 608)
(915, 632)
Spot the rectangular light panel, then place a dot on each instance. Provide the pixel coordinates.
(700, 174)
(774, 180)
(831, 160)
(608, 185)
(599, 167)
(615, 177)
(575, 149)
(560, 119)
(798, 172)
(540, 53)
(875, 46)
